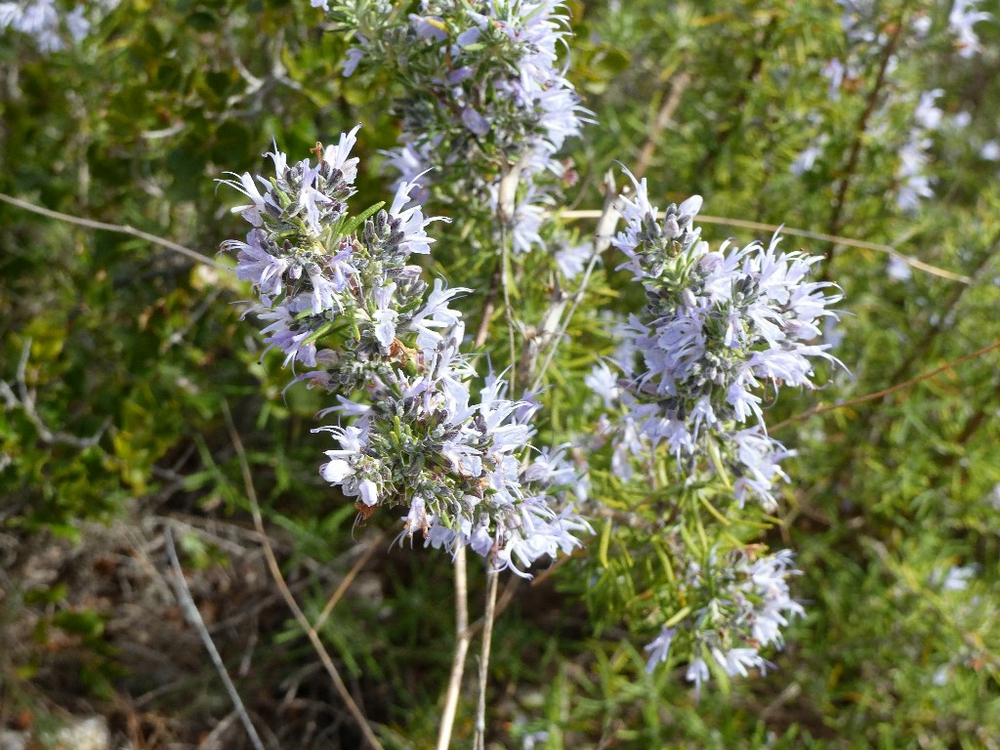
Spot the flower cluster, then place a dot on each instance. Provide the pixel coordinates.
(44, 22)
(493, 106)
(868, 39)
(315, 276)
(963, 16)
(911, 175)
(718, 327)
(737, 605)
(415, 437)
(426, 445)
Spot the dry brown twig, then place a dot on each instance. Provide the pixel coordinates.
(489, 617)
(348, 580)
(663, 118)
(824, 408)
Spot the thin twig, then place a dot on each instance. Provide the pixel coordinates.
(484, 660)
(541, 336)
(847, 174)
(824, 408)
(279, 579)
(503, 601)
(931, 330)
(607, 219)
(507, 307)
(835, 239)
(739, 107)
(119, 228)
(193, 616)
(462, 638)
(562, 560)
(25, 398)
(489, 305)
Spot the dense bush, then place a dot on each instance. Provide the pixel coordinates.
(868, 130)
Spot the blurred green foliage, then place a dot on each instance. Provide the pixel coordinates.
(104, 335)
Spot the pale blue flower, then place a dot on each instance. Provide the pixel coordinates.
(834, 71)
(45, 22)
(385, 316)
(927, 115)
(354, 56)
(604, 383)
(258, 266)
(412, 222)
(805, 161)
(659, 648)
(736, 661)
(718, 325)
(339, 156)
(475, 122)
(963, 16)
(288, 334)
(422, 442)
(697, 672)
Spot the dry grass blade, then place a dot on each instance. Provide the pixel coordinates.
(346, 583)
(279, 580)
(193, 616)
(819, 236)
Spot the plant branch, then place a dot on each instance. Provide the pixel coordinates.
(346, 583)
(489, 304)
(508, 308)
(484, 660)
(462, 636)
(663, 118)
(606, 221)
(840, 202)
(25, 399)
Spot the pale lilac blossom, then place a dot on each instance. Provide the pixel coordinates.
(718, 326)
(963, 16)
(914, 183)
(898, 269)
(410, 434)
(928, 115)
(955, 578)
(573, 259)
(806, 159)
(485, 498)
(45, 22)
(740, 604)
(659, 648)
(508, 121)
(697, 672)
(961, 120)
(834, 71)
